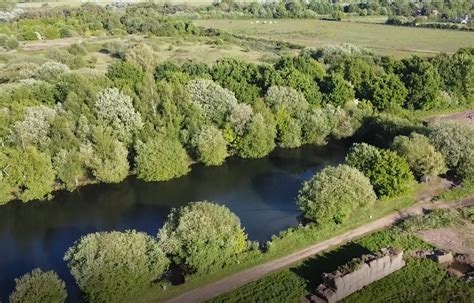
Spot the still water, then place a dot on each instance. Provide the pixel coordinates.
(260, 191)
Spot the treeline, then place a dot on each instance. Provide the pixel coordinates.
(203, 237)
(93, 20)
(60, 128)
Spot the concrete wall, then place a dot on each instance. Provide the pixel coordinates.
(337, 286)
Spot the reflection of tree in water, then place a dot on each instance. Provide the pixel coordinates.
(99, 204)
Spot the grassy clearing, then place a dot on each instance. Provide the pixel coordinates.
(418, 281)
(382, 39)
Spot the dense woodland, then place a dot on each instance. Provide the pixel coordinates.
(60, 128)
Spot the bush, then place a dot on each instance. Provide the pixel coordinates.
(161, 159)
(66, 33)
(202, 235)
(51, 71)
(211, 146)
(12, 43)
(115, 266)
(39, 287)
(421, 156)
(332, 194)
(388, 173)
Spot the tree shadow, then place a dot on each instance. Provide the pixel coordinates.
(312, 269)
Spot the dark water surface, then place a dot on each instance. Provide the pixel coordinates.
(260, 191)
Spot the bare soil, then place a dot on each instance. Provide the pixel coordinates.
(458, 240)
(466, 116)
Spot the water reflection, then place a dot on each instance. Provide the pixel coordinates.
(260, 191)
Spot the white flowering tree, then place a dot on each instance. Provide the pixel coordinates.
(35, 128)
(115, 109)
(216, 102)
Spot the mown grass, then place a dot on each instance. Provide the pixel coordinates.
(419, 281)
(382, 39)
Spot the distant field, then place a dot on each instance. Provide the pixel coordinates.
(105, 2)
(382, 39)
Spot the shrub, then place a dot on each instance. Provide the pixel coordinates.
(332, 194)
(211, 146)
(17, 71)
(12, 43)
(161, 159)
(39, 287)
(421, 156)
(51, 71)
(389, 173)
(66, 33)
(202, 235)
(115, 266)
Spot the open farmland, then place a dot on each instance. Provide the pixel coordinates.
(382, 39)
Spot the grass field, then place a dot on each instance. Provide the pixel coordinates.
(382, 39)
(421, 280)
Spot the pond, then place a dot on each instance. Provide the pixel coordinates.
(261, 192)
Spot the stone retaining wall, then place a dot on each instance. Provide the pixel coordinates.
(338, 285)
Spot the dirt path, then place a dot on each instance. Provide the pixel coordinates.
(467, 116)
(241, 278)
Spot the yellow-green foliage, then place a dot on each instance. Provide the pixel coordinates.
(115, 266)
(202, 235)
(39, 287)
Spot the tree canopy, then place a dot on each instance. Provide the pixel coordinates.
(202, 235)
(115, 266)
(333, 193)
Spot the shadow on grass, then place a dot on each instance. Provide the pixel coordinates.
(312, 269)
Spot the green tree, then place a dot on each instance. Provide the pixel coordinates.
(211, 146)
(39, 287)
(388, 173)
(106, 157)
(336, 90)
(259, 140)
(333, 193)
(25, 174)
(422, 82)
(316, 127)
(454, 140)
(70, 167)
(421, 156)
(384, 91)
(240, 77)
(115, 266)
(115, 109)
(202, 235)
(160, 159)
(216, 102)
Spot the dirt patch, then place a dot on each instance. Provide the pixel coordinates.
(466, 116)
(436, 186)
(459, 240)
